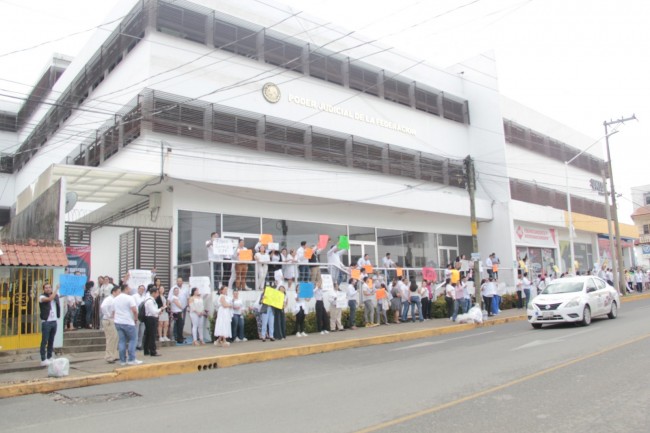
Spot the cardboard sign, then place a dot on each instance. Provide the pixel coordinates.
(201, 283)
(341, 300)
(400, 272)
(327, 283)
(308, 253)
(369, 269)
(224, 247)
(273, 298)
(246, 255)
(322, 241)
(356, 274)
(139, 277)
(381, 293)
(72, 285)
(266, 239)
(306, 290)
(429, 274)
(344, 243)
(274, 246)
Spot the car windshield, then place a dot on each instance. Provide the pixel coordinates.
(562, 287)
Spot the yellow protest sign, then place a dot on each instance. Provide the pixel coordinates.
(273, 297)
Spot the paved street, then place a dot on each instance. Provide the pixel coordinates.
(506, 378)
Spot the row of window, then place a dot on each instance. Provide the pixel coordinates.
(273, 135)
(550, 147)
(530, 192)
(191, 22)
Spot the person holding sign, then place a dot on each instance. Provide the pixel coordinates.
(50, 312)
(241, 269)
(261, 267)
(214, 259)
(382, 304)
(222, 326)
(268, 318)
(368, 294)
(335, 265)
(388, 263)
(288, 267)
(315, 269)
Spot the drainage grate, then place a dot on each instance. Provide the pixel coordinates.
(92, 399)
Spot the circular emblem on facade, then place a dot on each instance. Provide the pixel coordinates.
(271, 92)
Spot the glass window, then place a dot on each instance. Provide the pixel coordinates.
(241, 224)
(465, 246)
(448, 240)
(194, 228)
(362, 234)
(408, 249)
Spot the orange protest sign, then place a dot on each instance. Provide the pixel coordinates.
(266, 239)
(400, 272)
(246, 255)
(308, 253)
(381, 293)
(356, 274)
(369, 269)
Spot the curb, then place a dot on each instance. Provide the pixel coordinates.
(150, 371)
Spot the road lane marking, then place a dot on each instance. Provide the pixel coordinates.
(432, 343)
(536, 343)
(492, 390)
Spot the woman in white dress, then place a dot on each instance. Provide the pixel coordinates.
(222, 326)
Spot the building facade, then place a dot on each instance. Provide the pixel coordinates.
(248, 119)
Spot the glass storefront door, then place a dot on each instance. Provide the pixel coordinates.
(447, 255)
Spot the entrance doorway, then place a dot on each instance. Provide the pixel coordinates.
(359, 249)
(447, 255)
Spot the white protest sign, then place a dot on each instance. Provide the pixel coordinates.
(327, 282)
(224, 247)
(341, 300)
(201, 283)
(273, 246)
(139, 277)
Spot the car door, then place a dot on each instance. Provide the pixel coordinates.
(594, 297)
(604, 294)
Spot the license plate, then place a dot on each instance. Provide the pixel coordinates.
(547, 314)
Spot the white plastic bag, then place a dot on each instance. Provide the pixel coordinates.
(59, 367)
(476, 314)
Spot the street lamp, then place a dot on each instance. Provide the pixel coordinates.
(568, 201)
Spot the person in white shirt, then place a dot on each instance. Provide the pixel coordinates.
(450, 293)
(125, 317)
(353, 299)
(335, 265)
(177, 304)
(214, 259)
(488, 266)
(110, 332)
(527, 286)
(152, 313)
(237, 318)
(364, 261)
(50, 312)
(638, 279)
(303, 268)
(369, 298)
(388, 263)
(262, 260)
(139, 297)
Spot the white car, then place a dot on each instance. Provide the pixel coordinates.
(574, 299)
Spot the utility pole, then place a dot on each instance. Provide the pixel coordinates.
(471, 188)
(619, 251)
(608, 213)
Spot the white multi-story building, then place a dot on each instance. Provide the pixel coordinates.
(247, 119)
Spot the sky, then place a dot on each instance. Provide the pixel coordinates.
(579, 62)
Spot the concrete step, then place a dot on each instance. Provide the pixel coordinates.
(85, 333)
(82, 349)
(89, 341)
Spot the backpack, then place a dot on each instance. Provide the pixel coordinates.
(141, 311)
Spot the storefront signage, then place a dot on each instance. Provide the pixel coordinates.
(354, 115)
(535, 237)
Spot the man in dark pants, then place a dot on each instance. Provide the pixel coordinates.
(151, 312)
(50, 312)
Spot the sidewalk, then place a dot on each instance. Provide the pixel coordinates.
(27, 377)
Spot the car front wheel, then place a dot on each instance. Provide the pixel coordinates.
(613, 313)
(586, 316)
